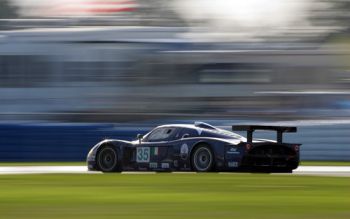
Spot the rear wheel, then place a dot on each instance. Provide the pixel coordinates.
(107, 159)
(202, 159)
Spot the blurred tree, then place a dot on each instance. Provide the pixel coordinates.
(7, 10)
(158, 12)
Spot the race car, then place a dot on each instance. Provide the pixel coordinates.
(197, 147)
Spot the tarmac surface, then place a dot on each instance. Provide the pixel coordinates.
(302, 170)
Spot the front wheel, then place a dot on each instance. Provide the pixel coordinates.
(107, 159)
(202, 159)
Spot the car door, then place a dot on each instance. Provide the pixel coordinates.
(155, 150)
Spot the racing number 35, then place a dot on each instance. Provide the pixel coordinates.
(142, 154)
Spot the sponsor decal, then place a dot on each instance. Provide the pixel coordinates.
(165, 165)
(153, 165)
(154, 151)
(142, 154)
(184, 151)
(232, 164)
(233, 150)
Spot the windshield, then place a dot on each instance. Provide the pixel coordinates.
(160, 134)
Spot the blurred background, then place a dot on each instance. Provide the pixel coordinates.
(73, 72)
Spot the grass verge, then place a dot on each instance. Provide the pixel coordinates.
(174, 196)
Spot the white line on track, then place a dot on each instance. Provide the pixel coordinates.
(302, 170)
(326, 169)
(323, 170)
(43, 169)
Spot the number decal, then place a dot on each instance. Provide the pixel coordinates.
(142, 154)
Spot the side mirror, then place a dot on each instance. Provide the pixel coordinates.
(139, 136)
(185, 136)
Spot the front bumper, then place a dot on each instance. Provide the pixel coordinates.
(91, 165)
(91, 158)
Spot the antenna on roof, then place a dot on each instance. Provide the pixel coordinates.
(203, 125)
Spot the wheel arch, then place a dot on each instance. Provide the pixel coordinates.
(202, 143)
(197, 144)
(108, 144)
(115, 145)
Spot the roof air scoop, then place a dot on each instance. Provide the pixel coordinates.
(204, 125)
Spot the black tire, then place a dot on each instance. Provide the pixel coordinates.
(202, 159)
(107, 159)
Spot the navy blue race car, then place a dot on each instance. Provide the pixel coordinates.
(197, 147)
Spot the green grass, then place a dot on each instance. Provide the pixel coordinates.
(164, 195)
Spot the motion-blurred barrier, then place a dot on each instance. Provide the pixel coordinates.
(71, 142)
(55, 142)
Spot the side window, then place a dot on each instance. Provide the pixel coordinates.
(161, 134)
(188, 133)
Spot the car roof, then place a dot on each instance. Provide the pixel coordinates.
(196, 125)
(177, 126)
(200, 126)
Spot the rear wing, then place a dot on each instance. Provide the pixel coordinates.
(251, 128)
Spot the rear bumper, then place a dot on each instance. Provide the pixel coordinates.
(287, 162)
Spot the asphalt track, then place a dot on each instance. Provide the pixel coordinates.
(302, 170)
